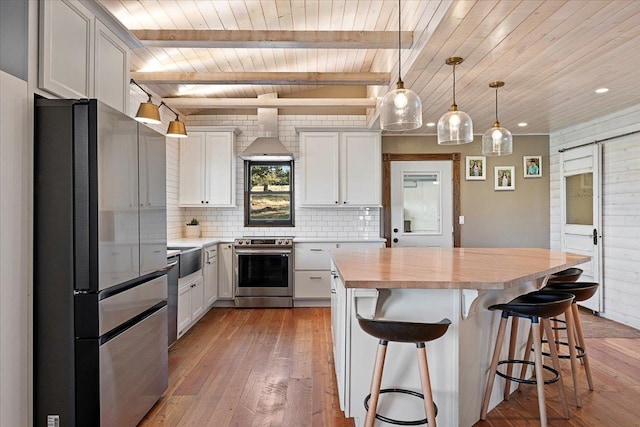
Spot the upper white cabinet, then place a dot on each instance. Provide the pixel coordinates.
(208, 167)
(111, 75)
(340, 168)
(66, 54)
(80, 57)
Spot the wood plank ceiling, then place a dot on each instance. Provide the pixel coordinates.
(552, 54)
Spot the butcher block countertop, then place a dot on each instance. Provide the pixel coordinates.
(448, 268)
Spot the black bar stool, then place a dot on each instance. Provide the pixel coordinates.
(581, 291)
(568, 275)
(538, 307)
(408, 332)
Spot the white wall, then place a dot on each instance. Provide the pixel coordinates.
(15, 250)
(621, 206)
(309, 222)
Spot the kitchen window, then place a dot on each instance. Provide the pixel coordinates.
(268, 200)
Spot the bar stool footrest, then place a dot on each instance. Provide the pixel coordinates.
(581, 352)
(523, 380)
(399, 422)
(558, 328)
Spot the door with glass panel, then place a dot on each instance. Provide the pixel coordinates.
(580, 201)
(421, 203)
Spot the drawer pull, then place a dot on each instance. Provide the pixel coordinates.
(333, 291)
(315, 277)
(315, 250)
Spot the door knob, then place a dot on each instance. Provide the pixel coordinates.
(395, 240)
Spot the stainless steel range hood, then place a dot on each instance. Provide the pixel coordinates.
(267, 148)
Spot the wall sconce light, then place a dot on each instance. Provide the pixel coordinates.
(149, 113)
(176, 128)
(497, 141)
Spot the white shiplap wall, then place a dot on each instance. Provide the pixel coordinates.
(309, 222)
(620, 210)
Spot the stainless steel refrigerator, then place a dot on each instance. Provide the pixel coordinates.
(100, 284)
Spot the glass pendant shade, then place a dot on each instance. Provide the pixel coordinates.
(148, 112)
(455, 127)
(401, 109)
(177, 129)
(497, 141)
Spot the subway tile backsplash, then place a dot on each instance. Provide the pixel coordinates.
(229, 222)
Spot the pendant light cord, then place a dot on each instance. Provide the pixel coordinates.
(454, 84)
(496, 104)
(399, 40)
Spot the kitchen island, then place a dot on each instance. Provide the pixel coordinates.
(427, 285)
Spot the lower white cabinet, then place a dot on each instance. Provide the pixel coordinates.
(312, 284)
(225, 271)
(210, 273)
(313, 269)
(190, 301)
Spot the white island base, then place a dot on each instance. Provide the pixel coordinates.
(458, 361)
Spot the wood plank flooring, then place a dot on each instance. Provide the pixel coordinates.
(274, 367)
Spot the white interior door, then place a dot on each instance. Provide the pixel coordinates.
(421, 203)
(580, 228)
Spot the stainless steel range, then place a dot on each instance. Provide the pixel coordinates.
(263, 272)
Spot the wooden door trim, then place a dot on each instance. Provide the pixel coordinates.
(387, 158)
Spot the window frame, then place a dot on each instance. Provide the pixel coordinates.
(247, 195)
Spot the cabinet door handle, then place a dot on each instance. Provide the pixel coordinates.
(315, 277)
(333, 291)
(345, 202)
(315, 250)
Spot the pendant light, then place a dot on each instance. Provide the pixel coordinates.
(176, 128)
(455, 127)
(148, 112)
(497, 141)
(401, 109)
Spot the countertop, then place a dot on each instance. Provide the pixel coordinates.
(337, 239)
(448, 268)
(206, 241)
(199, 242)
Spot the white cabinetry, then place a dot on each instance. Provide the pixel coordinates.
(340, 168)
(312, 269)
(225, 271)
(210, 272)
(80, 57)
(190, 301)
(208, 167)
(111, 76)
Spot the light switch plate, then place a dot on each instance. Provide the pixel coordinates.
(461, 219)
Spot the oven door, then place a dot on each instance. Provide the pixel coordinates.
(263, 272)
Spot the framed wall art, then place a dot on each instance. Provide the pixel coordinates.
(476, 168)
(532, 166)
(504, 178)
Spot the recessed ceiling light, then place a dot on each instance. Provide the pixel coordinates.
(431, 124)
(522, 124)
(602, 90)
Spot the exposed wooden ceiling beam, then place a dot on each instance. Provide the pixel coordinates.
(274, 39)
(269, 102)
(263, 78)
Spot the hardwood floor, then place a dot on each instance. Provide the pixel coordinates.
(274, 367)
